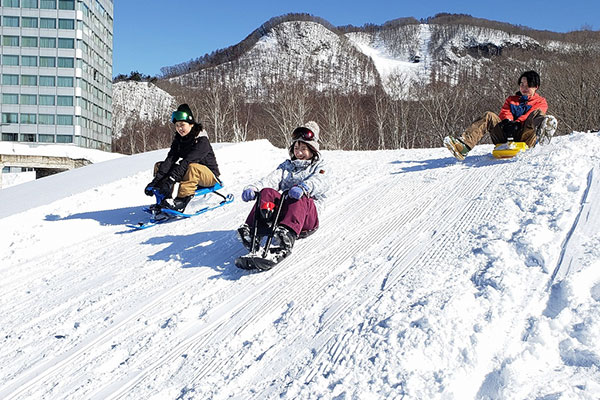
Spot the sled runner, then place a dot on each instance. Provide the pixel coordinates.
(160, 214)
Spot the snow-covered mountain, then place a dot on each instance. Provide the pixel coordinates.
(305, 50)
(322, 56)
(139, 100)
(427, 279)
(312, 52)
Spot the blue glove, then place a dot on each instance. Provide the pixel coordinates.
(248, 194)
(296, 192)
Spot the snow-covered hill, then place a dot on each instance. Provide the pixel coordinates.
(139, 100)
(428, 279)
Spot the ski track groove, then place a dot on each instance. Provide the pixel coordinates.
(309, 284)
(336, 350)
(83, 348)
(256, 312)
(201, 277)
(256, 315)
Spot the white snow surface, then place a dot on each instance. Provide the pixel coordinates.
(428, 278)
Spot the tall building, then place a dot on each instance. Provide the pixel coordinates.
(56, 71)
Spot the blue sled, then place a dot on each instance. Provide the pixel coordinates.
(161, 215)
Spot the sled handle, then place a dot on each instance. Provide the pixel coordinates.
(284, 196)
(255, 224)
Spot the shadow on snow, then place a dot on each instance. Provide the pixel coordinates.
(116, 217)
(433, 163)
(211, 249)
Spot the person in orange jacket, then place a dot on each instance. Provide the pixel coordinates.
(522, 119)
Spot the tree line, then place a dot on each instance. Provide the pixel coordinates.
(375, 120)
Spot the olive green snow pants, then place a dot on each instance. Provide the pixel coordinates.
(490, 123)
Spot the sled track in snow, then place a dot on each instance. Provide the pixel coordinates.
(400, 225)
(42, 374)
(563, 266)
(409, 253)
(271, 296)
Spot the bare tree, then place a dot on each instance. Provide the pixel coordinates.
(289, 106)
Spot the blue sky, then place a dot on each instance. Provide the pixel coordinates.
(151, 34)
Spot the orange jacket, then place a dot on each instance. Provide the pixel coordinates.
(536, 102)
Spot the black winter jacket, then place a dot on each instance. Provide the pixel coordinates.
(191, 148)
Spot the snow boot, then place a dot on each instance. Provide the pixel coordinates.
(245, 234)
(284, 240)
(546, 130)
(457, 147)
(176, 204)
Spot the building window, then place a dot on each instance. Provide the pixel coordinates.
(10, 21)
(10, 118)
(47, 81)
(10, 79)
(66, 62)
(64, 119)
(64, 100)
(46, 100)
(29, 99)
(47, 61)
(64, 138)
(29, 61)
(66, 23)
(29, 4)
(46, 119)
(27, 137)
(64, 43)
(46, 138)
(10, 3)
(29, 22)
(9, 137)
(66, 4)
(10, 98)
(48, 4)
(10, 41)
(47, 43)
(28, 80)
(64, 81)
(10, 60)
(48, 23)
(29, 41)
(28, 118)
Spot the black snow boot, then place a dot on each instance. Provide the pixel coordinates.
(285, 238)
(246, 237)
(177, 204)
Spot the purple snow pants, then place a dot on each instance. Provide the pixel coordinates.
(298, 215)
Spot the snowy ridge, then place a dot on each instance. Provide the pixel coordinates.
(427, 279)
(305, 51)
(324, 58)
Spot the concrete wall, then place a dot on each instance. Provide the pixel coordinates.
(43, 165)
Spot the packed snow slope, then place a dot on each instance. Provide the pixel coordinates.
(428, 279)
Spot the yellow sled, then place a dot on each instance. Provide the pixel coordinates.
(509, 150)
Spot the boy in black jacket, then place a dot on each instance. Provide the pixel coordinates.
(191, 162)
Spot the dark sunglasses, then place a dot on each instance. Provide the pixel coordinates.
(180, 116)
(303, 133)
